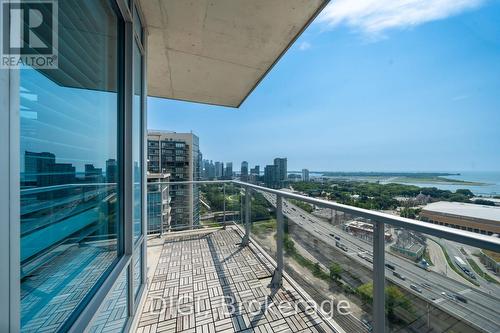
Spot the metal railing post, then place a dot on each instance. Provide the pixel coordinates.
(246, 238)
(277, 280)
(161, 209)
(378, 278)
(224, 206)
(241, 207)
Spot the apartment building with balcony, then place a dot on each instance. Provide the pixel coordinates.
(179, 155)
(74, 150)
(158, 201)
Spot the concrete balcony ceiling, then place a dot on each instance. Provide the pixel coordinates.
(217, 51)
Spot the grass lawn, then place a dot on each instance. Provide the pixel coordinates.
(480, 272)
(459, 272)
(494, 255)
(427, 257)
(264, 227)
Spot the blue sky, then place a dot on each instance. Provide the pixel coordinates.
(369, 86)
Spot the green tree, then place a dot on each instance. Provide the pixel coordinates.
(468, 193)
(317, 269)
(395, 298)
(289, 245)
(335, 271)
(484, 202)
(410, 213)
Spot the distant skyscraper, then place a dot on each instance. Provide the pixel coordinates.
(31, 166)
(211, 170)
(281, 165)
(271, 176)
(42, 170)
(228, 172)
(208, 170)
(111, 171)
(255, 171)
(92, 174)
(179, 155)
(244, 171)
(219, 170)
(254, 174)
(305, 175)
(204, 172)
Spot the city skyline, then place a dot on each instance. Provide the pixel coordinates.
(422, 115)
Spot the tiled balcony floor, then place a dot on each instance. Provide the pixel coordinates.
(200, 278)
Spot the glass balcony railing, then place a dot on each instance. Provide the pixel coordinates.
(363, 270)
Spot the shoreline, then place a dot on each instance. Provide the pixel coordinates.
(438, 181)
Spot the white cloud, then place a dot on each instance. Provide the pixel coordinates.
(304, 46)
(373, 17)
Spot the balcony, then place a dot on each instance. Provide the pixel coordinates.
(347, 269)
(261, 260)
(207, 281)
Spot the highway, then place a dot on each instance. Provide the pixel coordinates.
(454, 250)
(482, 310)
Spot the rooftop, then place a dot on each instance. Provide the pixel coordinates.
(491, 213)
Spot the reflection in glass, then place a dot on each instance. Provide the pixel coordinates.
(113, 312)
(137, 143)
(137, 270)
(69, 169)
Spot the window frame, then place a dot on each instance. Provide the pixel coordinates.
(10, 198)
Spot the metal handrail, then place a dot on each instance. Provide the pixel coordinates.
(457, 235)
(461, 236)
(379, 220)
(378, 246)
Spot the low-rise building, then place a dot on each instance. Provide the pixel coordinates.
(471, 217)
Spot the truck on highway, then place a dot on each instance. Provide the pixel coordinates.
(463, 266)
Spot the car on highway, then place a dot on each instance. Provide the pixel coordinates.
(426, 285)
(337, 237)
(444, 294)
(332, 235)
(460, 298)
(399, 276)
(390, 266)
(417, 289)
(341, 246)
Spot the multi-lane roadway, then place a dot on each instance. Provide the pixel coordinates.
(480, 309)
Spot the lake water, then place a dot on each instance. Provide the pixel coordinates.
(491, 178)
